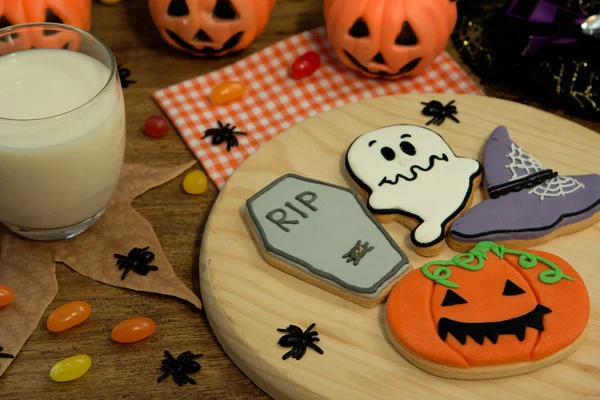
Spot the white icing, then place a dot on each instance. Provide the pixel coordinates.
(432, 195)
(556, 187)
(523, 164)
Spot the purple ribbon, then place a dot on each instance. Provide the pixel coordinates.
(568, 26)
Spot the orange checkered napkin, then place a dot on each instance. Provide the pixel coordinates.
(273, 101)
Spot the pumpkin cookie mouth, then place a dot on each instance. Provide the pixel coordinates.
(407, 68)
(229, 44)
(478, 331)
(413, 171)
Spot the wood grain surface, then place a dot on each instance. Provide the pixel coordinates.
(130, 372)
(246, 299)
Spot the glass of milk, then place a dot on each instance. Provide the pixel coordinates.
(62, 130)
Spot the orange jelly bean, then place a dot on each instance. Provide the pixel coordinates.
(68, 315)
(226, 92)
(6, 295)
(133, 330)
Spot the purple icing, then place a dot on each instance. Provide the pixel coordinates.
(494, 157)
(522, 215)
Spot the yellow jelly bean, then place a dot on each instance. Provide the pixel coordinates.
(226, 92)
(71, 368)
(195, 182)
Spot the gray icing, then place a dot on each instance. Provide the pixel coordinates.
(317, 243)
(357, 252)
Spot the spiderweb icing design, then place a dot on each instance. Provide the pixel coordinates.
(524, 164)
(555, 187)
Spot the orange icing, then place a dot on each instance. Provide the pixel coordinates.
(414, 310)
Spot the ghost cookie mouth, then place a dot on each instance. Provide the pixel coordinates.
(478, 331)
(413, 171)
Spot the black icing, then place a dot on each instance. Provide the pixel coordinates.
(452, 299)
(511, 289)
(413, 170)
(388, 153)
(408, 148)
(478, 331)
(517, 185)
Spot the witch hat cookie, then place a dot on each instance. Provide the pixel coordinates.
(528, 204)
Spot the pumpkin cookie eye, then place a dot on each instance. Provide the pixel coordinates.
(408, 148)
(452, 299)
(178, 8)
(224, 10)
(51, 17)
(511, 289)
(388, 153)
(359, 29)
(407, 36)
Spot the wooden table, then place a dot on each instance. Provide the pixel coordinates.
(129, 372)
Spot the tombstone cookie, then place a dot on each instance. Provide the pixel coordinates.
(488, 313)
(324, 235)
(412, 176)
(528, 204)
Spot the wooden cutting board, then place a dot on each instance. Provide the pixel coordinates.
(246, 299)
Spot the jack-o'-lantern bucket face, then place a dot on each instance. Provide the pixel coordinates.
(75, 13)
(68, 12)
(12, 15)
(491, 307)
(389, 38)
(210, 27)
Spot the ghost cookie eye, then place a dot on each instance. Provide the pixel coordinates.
(408, 148)
(388, 153)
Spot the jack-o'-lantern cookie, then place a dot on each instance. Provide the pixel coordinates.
(488, 313)
(324, 235)
(412, 176)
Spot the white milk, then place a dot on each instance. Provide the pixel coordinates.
(59, 171)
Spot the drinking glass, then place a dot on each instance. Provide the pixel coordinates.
(62, 130)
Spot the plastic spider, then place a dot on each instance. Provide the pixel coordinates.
(123, 75)
(180, 367)
(5, 355)
(439, 112)
(137, 260)
(224, 133)
(299, 341)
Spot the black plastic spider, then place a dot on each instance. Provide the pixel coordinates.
(439, 112)
(299, 341)
(180, 367)
(224, 133)
(5, 355)
(123, 75)
(137, 260)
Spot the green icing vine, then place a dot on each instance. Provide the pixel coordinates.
(442, 273)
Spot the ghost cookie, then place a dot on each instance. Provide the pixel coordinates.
(324, 235)
(489, 313)
(412, 176)
(528, 204)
